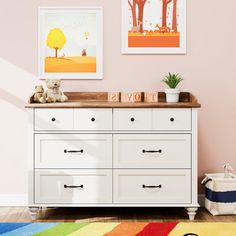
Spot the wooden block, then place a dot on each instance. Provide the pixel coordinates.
(127, 97)
(131, 97)
(151, 97)
(137, 97)
(113, 96)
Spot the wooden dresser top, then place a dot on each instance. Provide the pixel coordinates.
(99, 100)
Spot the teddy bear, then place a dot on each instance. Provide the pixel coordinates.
(38, 94)
(53, 93)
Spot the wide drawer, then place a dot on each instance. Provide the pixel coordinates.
(53, 119)
(152, 150)
(172, 119)
(73, 187)
(132, 119)
(152, 186)
(93, 119)
(73, 150)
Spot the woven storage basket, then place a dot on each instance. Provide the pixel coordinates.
(220, 194)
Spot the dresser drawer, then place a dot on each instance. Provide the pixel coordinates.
(172, 119)
(152, 186)
(73, 187)
(93, 119)
(132, 119)
(73, 151)
(53, 119)
(152, 150)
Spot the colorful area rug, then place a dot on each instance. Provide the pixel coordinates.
(118, 229)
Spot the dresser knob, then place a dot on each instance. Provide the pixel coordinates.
(93, 119)
(132, 119)
(172, 119)
(53, 119)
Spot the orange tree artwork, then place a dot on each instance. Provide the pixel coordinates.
(150, 31)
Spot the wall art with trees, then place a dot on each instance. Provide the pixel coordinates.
(154, 26)
(70, 42)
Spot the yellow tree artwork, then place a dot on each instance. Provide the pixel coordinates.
(71, 43)
(56, 40)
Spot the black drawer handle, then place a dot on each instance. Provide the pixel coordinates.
(190, 234)
(152, 186)
(53, 119)
(73, 151)
(172, 119)
(132, 119)
(93, 119)
(74, 186)
(152, 151)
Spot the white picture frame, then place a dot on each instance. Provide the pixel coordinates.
(127, 27)
(70, 64)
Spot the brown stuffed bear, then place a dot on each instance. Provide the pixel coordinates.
(38, 94)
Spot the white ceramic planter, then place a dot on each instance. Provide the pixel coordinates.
(172, 95)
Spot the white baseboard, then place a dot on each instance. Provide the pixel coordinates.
(13, 199)
(201, 199)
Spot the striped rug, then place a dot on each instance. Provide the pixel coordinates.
(118, 229)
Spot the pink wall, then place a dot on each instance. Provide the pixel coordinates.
(208, 69)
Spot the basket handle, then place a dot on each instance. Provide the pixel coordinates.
(206, 180)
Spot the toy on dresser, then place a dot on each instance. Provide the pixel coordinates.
(38, 94)
(52, 94)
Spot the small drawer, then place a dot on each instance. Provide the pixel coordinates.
(53, 119)
(132, 119)
(172, 119)
(152, 186)
(93, 119)
(73, 151)
(152, 150)
(73, 187)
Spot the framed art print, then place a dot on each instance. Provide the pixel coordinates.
(154, 26)
(70, 42)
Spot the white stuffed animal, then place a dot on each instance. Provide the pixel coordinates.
(53, 93)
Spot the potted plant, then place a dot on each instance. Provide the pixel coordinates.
(172, 93)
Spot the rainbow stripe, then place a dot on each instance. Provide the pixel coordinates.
(118, 229)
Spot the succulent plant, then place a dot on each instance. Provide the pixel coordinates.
(172, 80)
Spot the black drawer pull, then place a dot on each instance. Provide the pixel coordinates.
(132, 119)
(172, 119)
(73, 151)
(152, 151)
(53, 119)
(74, 186)
(152, 186)
(93, 119)
(190, 234)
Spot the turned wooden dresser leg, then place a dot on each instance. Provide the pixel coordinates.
(34, 212)
(192, 211)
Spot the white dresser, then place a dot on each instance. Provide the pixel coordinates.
(113, 155)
